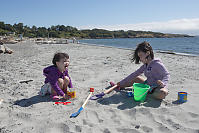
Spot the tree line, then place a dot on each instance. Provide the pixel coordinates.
(62, 31)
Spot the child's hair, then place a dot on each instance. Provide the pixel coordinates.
(1, 43)
(58, 56)
(142, 47)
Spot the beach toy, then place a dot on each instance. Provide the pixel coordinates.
(71, 92)
(140, 91)
(82, 107)
(182, 97)
(129, 93)
(97, 96)
(100, 95)
(64, 103)
(91, 89)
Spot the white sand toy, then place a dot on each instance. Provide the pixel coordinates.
(82, 107)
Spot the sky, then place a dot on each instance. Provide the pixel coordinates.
(167, 16)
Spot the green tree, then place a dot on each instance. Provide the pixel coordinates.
(54, 34)
(2, 25)
(18, 28)
(9, 27)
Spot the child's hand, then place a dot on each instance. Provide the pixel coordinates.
(118, 84)
(160, 83)
(65, 97)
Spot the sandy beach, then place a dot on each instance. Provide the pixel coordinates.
(24, 111)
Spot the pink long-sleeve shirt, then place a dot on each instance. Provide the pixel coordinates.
(153, 71)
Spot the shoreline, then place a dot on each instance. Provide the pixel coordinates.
(157, 51)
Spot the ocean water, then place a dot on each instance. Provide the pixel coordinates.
(184, 45)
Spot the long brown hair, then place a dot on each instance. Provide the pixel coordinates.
(142, 47)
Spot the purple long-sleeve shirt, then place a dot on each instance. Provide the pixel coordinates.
(154, 71)
(52, 75)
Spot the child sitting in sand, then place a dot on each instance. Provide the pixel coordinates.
(156, 73)
(57, 78)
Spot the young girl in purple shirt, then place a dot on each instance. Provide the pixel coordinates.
(57, 76)
(156, 73)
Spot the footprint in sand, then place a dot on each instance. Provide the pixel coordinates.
(126, 130)
(65, 128)
(147, 129)
(86, 122)
(113, 116)
(163, 128)
(24, 116)
(94, 115)
(193, 115)
(92, 118)
(78, 128)
(106, 131)
(174, 125)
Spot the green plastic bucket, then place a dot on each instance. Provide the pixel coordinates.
(140, 91)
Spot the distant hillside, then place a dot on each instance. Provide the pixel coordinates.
(61, 31)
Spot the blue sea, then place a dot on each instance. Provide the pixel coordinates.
(186, 45)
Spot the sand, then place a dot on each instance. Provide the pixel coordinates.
(23, 110)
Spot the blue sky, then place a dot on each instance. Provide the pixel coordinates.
(171, 16)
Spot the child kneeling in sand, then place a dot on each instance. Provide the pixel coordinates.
(156, 73)
(57, 79)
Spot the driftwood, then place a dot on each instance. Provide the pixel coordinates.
(26, 81)
(4, 49)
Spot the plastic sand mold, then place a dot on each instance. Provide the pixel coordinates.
(182, 97)
(64, 103)
(71, 93)
(129, 94)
